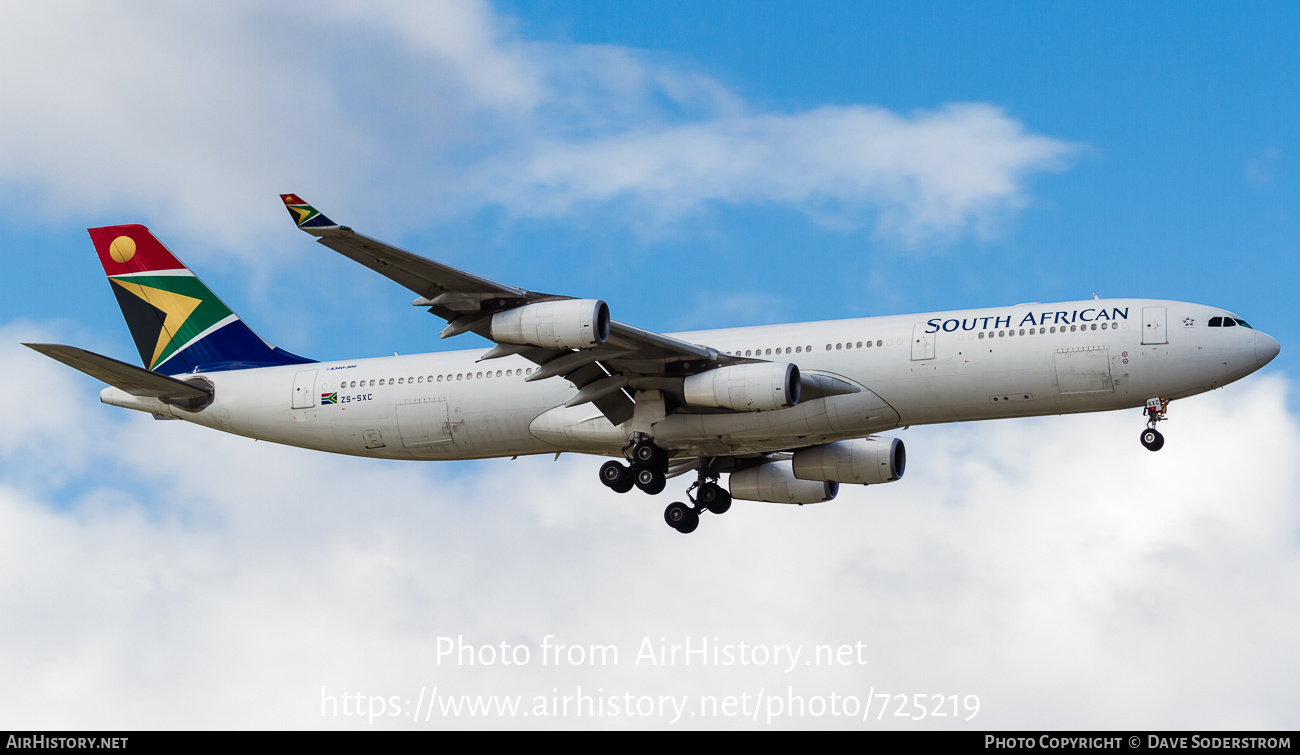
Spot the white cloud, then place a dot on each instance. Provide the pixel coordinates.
(194, 117)
(169, 576)
(932, 174)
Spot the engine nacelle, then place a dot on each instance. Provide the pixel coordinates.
(566, 324)
(774, 482)
(745, 387)
(865, 461)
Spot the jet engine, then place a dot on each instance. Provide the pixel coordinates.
(565, 324)
(764, 386)
(774, 482)
(865, 461)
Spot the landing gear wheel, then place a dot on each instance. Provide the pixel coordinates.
(649, 456)
(1152, 439)
(681, 518)
(713, 498)
(617, 477)
(650, 481)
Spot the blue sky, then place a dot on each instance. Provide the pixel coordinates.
(695, 165)
(1177, 180)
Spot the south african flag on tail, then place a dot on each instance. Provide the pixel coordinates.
(177, 323)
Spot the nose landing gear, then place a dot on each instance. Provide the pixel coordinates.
(1156, 409)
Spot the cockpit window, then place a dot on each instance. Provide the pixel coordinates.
(1227, 322)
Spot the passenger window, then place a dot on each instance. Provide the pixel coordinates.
(880, 343)
(839, 346)
(981, 334)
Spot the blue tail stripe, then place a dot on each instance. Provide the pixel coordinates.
(233, 347)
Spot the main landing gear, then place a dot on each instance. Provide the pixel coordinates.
(709, 496)
(1156, 410)
(647, 469)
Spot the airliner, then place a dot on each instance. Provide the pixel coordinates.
(787, 412)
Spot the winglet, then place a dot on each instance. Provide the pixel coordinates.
(304, 215)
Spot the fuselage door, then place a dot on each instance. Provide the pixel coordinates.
(1153, 325)
(304, 389)
(922, 342)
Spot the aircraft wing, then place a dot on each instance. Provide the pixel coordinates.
(629, 357)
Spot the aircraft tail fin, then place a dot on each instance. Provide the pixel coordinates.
(177, 323)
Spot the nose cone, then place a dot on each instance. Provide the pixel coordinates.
(1266, 347)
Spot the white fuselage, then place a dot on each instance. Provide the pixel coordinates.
(1015, 361)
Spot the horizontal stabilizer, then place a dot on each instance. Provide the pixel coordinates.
(134, 380)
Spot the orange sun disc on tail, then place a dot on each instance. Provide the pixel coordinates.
(122, 249)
